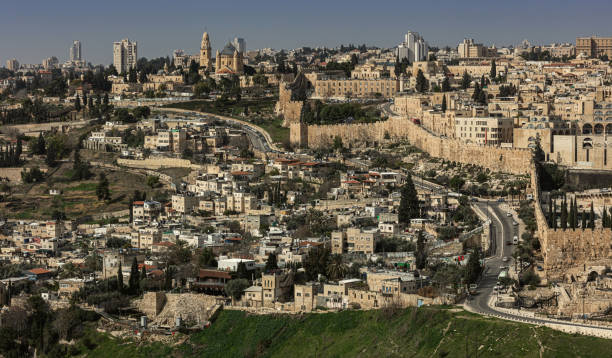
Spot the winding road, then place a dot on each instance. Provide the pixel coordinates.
(481, 303)
(260, 138)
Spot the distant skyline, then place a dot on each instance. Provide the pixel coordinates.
(34, 32)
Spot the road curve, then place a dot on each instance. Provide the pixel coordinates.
(481, 303)
(269, 145)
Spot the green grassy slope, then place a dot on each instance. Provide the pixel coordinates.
(427, 332)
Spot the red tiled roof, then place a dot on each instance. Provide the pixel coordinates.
(214, 273)
(351, 182)
(240, 173)
(148, 267)
(139, 203)
(39, 271)
(156, 273)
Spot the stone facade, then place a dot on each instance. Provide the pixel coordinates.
(152, 303)
(291, 99)
(396, 128)
(564, 250)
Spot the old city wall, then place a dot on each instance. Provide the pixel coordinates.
(11, 174)
(395, 128)
(157, 163)
(291, 111)
(563, 250)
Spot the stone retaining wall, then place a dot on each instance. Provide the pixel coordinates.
(397, 128)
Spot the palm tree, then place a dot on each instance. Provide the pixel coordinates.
(336, 268)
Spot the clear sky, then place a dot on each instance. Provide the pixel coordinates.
(36, 29)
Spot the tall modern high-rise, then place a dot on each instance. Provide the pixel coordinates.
(74, 53)
(240, 45)
(125, 55)
(12, 65)
(414, 48)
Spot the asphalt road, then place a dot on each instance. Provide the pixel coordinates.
(503, 231)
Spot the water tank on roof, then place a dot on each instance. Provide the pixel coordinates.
(143, 321)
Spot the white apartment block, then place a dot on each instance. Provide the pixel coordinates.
(125, 55)
(484, 130)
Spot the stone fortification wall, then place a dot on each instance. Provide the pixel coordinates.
(291, 111)
(395, 128)
(564, 250)
(11, 174)
(157, 163)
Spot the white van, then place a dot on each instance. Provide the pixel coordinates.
(515, 240)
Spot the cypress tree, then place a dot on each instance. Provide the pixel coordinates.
(119, 277)
(476, 94)
(592, 218)
(77, 103)
(134, 277)
(421, 82)
(604, 217)
(409, 203)
(571, 213)
(493, 72)
(444, 104)
(465, 80)
(574, 215)
(446, 85)
(584, 223)
(564, 214)
(550, 211)
(18, 150)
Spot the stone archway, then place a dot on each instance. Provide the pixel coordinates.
(587, 128)
(599, 128)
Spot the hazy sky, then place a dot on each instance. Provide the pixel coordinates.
(36, 29)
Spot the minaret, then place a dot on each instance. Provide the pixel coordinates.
(217, 61)
(205, 52)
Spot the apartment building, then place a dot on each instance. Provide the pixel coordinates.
(469, 49)
(12, 65)
(484, 130)
(125, 55)
(354, 240)
(413, 48)
(594, 46)
(145, 238)
(185, 204)
(145, 210)
(174, 140)
(304, 297)
(275, 286)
